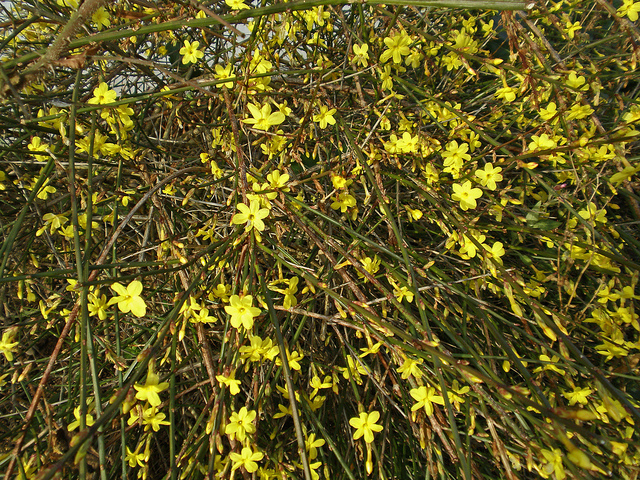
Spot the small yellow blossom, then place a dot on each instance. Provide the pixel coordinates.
(222, 73)
(190, 52)
(247, 458)
(629, 9)
(397, 46)
(466, 195)
(236, 4)
(150, 390)
(251, 215)
(489, 176)
(242, 312)
(129, 299)
(425, 397)
(325, 117)
(365, 425)
(101, 18)
(263, 118)
(102, 95)
(240, 424)
(7, 345)
(360, 55)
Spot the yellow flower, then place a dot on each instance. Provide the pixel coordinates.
(251, 215)
(247, 459)
(397, 45)
(222, 292)
(339, 182)
(401, 292)
(150, 390)
(542, 142)
(386, 80)
(98, 305)
(572, 27)
(230, 381)
(578, 112)
(190, 52)
(222, 73)
(371, 265)
(278, 181)
(129, 299)
(411, 367)
(135, 458)
(553, 465)
(456, 154)
(508, 94)
(365, 425)
(202, 317)
(152, 419)
(343, 202)
(467, 247)
(36, 145)
(241, 424)
(75, 424)
(325, 117)
(312, 444)
(489, 176)
(578, 395)
(242, 312)
(549, 112)
(495, 252)
(102, 95)
(576, 82)
(263, 118)
(466, 195)
(7, 345)
(630, 9)
(236, 4)
(360, 55)
(425, 397)
(101, 18)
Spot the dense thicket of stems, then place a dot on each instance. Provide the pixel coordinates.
(319, 239)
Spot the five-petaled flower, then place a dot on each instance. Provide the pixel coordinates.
(263, 118)
(466, 195)
(150, 390)
(102, 95)
(241, 424)
(152, 419)
(252, 216)
(230, 381)
(242, 312)
(247, 458)
(397, 46)
(360, 55)
(425, 397)
(101, 18)
(325, 117)
(129, 299)
(508, 94)
(489, 176)
(365, 425)
(190, 52)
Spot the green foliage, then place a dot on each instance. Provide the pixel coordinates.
(320, 239)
